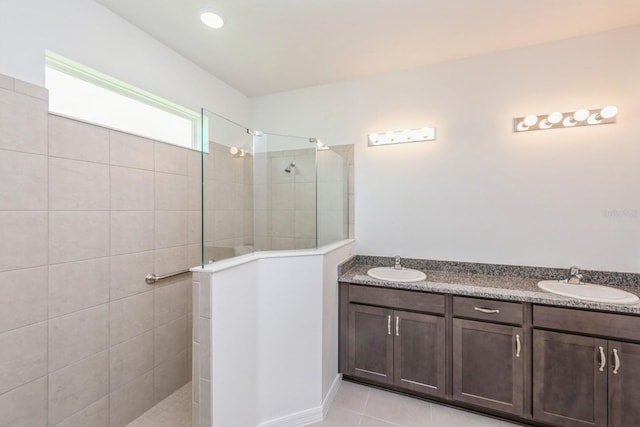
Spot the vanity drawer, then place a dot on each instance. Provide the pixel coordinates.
(489, 310)
(608, 325)
(396, 298)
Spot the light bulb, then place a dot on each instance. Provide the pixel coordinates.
(233, 150)
(389, 136)
(522, 127)
(211, 19)
(554, 117)
(608, 112)
(594, 119)
(581, 115)
(373, 137)
(530, 120)
(569, 121)
(544, 124)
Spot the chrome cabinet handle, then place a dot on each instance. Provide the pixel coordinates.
(487, 310)
(397, 326)
(616, 367)
(389, 325)
(518, 345)
(603, 359)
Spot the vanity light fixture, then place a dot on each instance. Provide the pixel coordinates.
(402, 136)
(211, 18)
(581, 117)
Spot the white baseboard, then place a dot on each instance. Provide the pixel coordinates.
(328, 399)
(298, 419)
(309, 416)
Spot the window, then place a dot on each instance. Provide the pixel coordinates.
(80, 92)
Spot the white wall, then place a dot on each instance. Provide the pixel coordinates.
(88, 33)
(274, 335)
(234, 354)
(330, 314)
(480, 192)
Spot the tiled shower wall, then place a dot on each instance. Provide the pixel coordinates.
(228, 202)
(286, 204)
(85, 214)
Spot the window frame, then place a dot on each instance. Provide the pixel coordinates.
(79, 71)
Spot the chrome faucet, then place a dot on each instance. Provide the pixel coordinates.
(397, 265)
(575, 278)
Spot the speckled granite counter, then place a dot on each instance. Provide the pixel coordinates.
(514, 284)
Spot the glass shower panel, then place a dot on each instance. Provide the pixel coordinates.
(227, 189)
(284, 192)
(333, 193)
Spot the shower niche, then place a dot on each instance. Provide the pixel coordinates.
(263, 191)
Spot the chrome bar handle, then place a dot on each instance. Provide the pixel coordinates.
(603, 359)
(487, 310)
(518, 345)
(397, 326)
(616, 358)
(151, 279)
(389, 325)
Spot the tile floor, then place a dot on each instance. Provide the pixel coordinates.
(173, 411)
(358, 406)
(355, 405)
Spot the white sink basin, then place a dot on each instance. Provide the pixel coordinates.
(589, 292)
(390, 274)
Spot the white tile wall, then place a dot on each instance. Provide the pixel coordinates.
(79, 327)
(25, 406)
(78, 235)
(78, 335)
(23, 298)
(131, 189)
(23, 122)
(28, 172)
(75, 387)
(131, 316)
(24, 239)
(23, 357)
(78, 185)
(76, 140)
(78, 285)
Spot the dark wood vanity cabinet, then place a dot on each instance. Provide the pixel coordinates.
(488, 365)
(370, 343)
(399, 348)
(569, 387)
(624, 384)
(489, 356)
(580, 378)
(419, 353)
(541, 365)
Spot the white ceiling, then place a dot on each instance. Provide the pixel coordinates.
(269, 46)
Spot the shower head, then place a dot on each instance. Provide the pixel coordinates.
(288, 168)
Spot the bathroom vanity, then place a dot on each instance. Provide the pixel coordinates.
(495, 344)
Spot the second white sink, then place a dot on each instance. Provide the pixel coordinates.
(589, 292)
(390, 274)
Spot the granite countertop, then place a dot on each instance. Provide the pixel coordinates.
(501, 287)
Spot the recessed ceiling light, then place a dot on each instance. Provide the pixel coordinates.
(211, 19)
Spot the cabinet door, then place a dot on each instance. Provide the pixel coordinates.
(488, 365)
(624, 384)
(569, 379)
(419, 352)
(371, 343)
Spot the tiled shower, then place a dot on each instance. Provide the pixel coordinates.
(87, 212)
